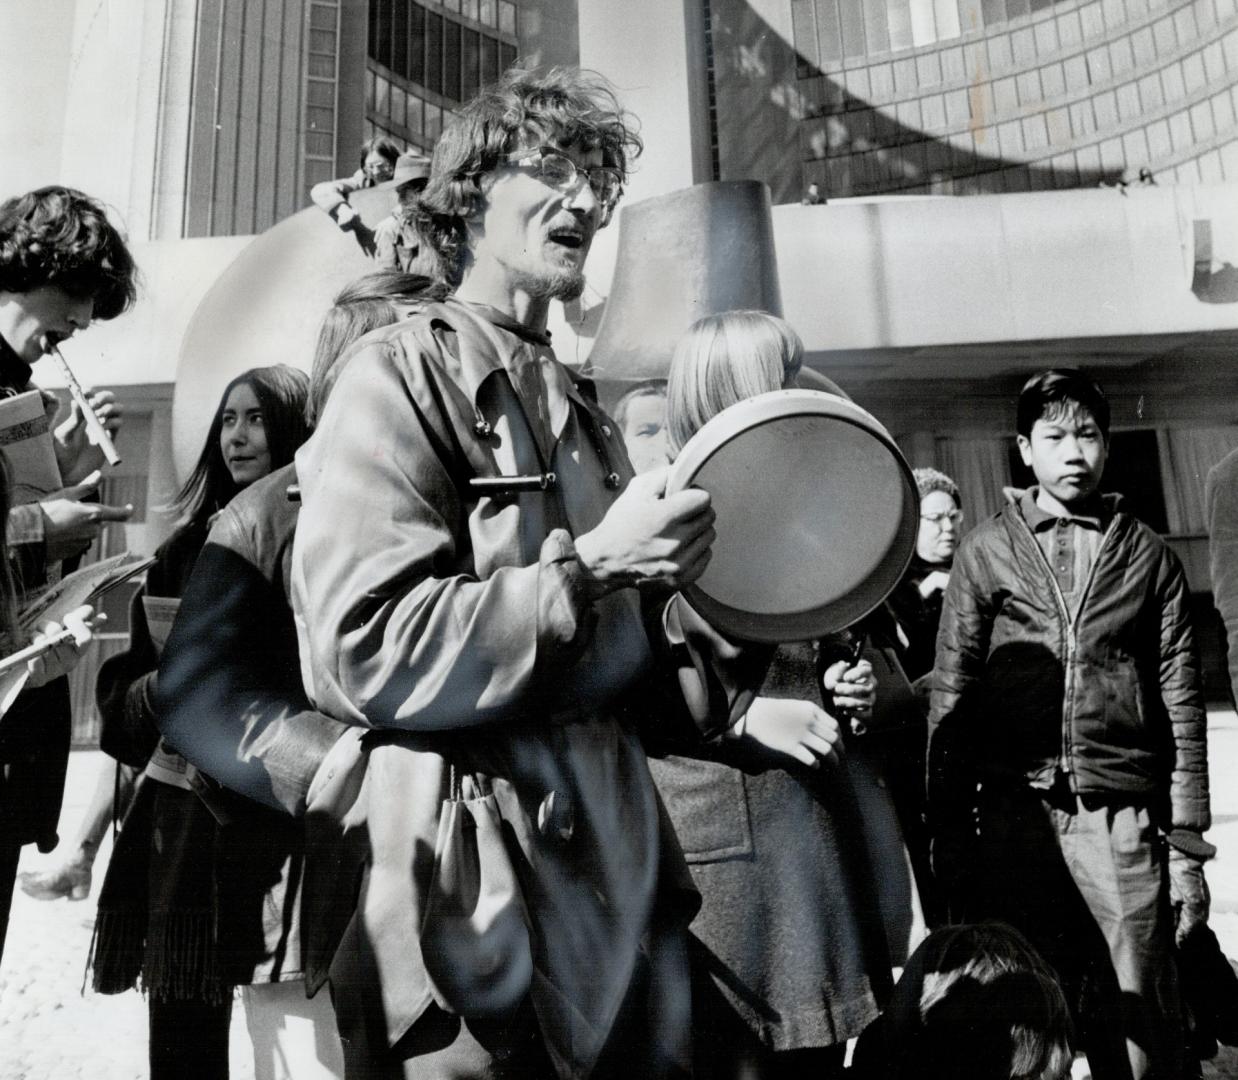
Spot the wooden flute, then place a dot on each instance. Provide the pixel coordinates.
(94, 426)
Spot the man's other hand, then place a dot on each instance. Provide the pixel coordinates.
(649, 537)
(70, 525)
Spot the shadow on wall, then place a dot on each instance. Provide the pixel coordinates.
(779, 118)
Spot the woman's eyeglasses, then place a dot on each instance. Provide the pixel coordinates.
(560, 171)
(955, 517)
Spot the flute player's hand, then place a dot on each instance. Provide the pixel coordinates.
(69, 524)
(76, 455)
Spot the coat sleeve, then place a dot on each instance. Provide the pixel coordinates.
(1182, 696)
(1221, 500)
(962, 652)
(229, 696)
(396, 630)
(330, 195)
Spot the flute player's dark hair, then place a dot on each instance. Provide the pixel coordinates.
(62, 237)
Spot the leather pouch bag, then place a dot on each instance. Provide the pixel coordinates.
(474, 937)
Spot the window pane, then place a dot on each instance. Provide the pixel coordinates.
(947, 14)
(322, 41)
(507, 55)
(371, 45)
(853, 28)
(434, 53)
(923, 26)
(322, 17)
(451, 60)
(994, 12)
(452, 5)
(507, 17)
(434, 121)
(383, 28)
(876, 29)
(399, 39)
(469, 9)
(415, 123)
(319, 119)
(382, 97)
(397, 106)
(417, 44)
(320, 93)
(489, 12)
(804, 30)
(320, 144)
(369, 90)
(489, 59)
(470, 63)
(829, 34)
(322, 67)
(900, 24)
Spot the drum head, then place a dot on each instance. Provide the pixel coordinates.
(817, 515)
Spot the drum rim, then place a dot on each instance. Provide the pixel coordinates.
(717, 433)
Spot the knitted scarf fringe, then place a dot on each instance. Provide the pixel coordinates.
(180, 962)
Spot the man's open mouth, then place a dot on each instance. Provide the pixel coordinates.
(568, 238)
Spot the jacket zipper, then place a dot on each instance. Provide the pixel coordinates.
(1070, 623)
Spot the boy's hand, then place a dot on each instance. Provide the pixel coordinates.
(1188, 894)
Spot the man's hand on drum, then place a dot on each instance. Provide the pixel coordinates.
(649, 537)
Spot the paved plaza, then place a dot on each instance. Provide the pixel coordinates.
(51, 1030)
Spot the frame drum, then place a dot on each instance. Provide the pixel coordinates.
(817, 515)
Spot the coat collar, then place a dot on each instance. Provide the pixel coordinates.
(14, 371)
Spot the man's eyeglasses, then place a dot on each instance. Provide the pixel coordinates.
(560, 171)
(955, 517)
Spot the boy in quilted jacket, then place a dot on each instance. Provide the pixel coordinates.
(1068, 784)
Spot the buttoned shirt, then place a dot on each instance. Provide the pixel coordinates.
(1070, 544)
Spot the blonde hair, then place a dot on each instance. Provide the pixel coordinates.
(723, 359)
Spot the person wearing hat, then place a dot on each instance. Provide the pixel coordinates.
(397, 240)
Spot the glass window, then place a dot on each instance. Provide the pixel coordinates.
(507, 55)
(322, 16)
(382, 19)
(434, 53)
(399, 38)
(876, 28)
(507, 17)
(398, 99)
(923, 25)
(489, 59)
(320, 144)
(321, 67)
(318, 92)
(451, 5)
(319, 119)
(382, 96)
(451, 60)
(434, 121)
(369, 90)
(829, 33)
(489, 12)
(417, 44)
(900, 24)
(469, 9)
(852, 17)
(371, 45)
(323, 42)
(470, 62)
(946, 13)
(994, 12)
(1016, 9)
(804, 30)
(415, 122)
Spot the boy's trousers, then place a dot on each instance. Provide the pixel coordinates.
(1084, 878)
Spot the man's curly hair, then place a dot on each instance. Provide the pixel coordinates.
(59, 236)
(566, 106)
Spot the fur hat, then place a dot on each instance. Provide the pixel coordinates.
(930, 480)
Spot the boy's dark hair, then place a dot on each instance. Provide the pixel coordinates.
(59, 236)
(382, 144)
(1048, 393)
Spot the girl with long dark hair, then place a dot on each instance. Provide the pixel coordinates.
(168, 905)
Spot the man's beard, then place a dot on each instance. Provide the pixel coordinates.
(564, 284)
